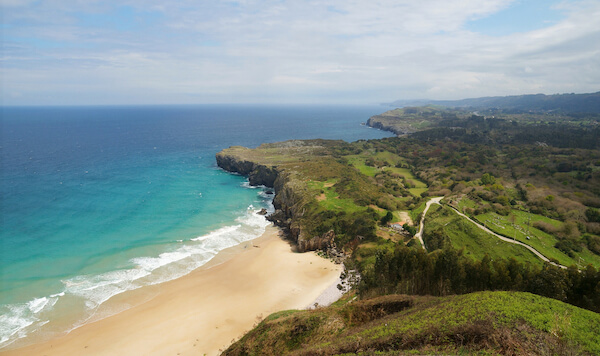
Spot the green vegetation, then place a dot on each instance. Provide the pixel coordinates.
(533, 177)
(329, 199)
(409, 119)
(444, 228)
(536, 238)
(485, 323)
(448, 271)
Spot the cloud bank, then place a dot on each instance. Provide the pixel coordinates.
(148, 52)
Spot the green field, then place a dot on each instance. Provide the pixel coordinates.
(476, 243)
(330, 199)
(390, 160)
(540, 240)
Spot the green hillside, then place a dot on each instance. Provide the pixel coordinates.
(483, 323)
(532, 178)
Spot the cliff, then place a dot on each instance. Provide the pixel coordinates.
(273, 165)
(258, 174)
(406, 120)
(378, 122)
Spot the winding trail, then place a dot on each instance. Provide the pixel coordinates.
(419, 234)
(504, 238)
(437, 200)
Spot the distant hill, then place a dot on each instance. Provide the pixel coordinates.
(569, 103)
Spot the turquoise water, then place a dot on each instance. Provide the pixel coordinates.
(100, 200)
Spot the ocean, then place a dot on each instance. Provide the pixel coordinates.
(96, 201)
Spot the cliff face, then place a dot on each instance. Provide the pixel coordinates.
(381, 123)
(257, 174)
(289, 198)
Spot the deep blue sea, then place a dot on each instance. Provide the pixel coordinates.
(96, 201)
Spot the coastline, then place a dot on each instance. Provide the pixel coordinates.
(204, 311)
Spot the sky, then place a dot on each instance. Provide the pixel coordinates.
(86, 52)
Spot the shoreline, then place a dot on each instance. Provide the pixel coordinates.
(204, 311)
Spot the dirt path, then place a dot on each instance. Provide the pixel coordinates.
(419, 234)
(503, 238)
(437, 200)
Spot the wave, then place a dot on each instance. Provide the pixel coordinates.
(91, 291)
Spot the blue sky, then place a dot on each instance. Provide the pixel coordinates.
(63, 52)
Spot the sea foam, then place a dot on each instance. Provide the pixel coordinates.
(19, 320)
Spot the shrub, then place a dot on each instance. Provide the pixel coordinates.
(568, 246)
(593, 243)
(545, 227)
(592, 215)
(487, 178)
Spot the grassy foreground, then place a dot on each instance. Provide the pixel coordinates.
(485, 323)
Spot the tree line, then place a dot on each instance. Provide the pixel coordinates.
(405, 270)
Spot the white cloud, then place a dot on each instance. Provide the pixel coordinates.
(290, 50)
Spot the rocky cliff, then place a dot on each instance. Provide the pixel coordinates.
(381, 123)
(257, 174)
(290, 195)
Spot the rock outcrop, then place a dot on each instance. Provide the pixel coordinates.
(377, 122)
(257, 174)
(262, 211)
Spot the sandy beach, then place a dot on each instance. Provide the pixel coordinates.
(202, 313)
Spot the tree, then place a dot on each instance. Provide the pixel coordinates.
(411, 229)
(487, 178)
(387, 218)
(592, 215)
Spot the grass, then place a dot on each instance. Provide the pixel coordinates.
(508, 308)
(466, 203)
(366, 253)
(332, 199)
(540, 240)
(417, 191)
(475, 242)
(391, 160)
(481, 323)
(416, 212)
(358, 162)
(408, 175)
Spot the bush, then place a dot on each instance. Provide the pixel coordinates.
(410, 229)
(545, 227)
(568, 246)
(593, 243)
(592, 215)
(435, 240)
(487, 178)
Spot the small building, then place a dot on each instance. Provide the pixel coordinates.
(398, 226)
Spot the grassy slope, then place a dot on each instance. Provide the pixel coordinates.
(483, 322)
(391, 159)
(476, 242)
(523, 228)
(329, 199)
(538, 239)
